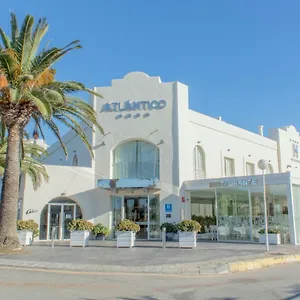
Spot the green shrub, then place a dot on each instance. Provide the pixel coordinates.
(99, 229)
(270, 231)
(28, 225)
(170, 227)
(127, 225)
(189, 225)
(205, 221)
(79, 224)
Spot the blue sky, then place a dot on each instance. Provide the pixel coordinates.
(240, 59)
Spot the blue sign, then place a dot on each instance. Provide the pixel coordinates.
(133, 106)
(168, 208)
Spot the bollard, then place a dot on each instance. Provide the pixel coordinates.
(52, 237)
(163, 235)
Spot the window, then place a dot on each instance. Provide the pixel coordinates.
(270, 169)
(136, 159)
(250, 169)
(199, 163)
(295, 151)
(229, 166)
(75, 160)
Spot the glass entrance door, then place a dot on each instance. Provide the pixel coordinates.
(55, 220)
(59, 217)
(136, 210)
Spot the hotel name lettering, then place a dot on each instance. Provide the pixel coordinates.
(231, 183)
(134, 105)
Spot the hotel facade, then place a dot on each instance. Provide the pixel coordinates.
(159, 161)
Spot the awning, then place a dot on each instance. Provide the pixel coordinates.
(129, 183)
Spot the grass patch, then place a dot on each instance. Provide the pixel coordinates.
(5, 251)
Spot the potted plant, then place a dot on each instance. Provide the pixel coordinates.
(80, 232)
(188, 230)
(125, 232)
(273, 236)
(171, 230)
(100, 231)
(27, 231)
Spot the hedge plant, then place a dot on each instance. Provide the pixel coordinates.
(100, 229)
(189, 225)
(170, 227)
(127, 225)
(81, 225)
(28, 225)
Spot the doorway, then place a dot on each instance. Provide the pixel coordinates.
(143, 210)
(58, 215)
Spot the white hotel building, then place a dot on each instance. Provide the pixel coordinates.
(160, 162)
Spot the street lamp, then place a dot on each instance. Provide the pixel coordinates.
(263, 165)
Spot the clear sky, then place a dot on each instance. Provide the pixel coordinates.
(240, 59)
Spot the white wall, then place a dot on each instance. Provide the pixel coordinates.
(218, 140)
(73, 143)
(75, 183)
(286, 137)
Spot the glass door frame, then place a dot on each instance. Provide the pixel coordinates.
(148, 197)
(61, 219)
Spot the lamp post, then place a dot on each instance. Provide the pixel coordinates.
(263, 164)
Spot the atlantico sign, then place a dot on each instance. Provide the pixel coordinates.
(134, 106)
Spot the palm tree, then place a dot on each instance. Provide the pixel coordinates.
(30, 92)
(30, 164)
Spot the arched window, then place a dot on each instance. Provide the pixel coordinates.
(75, 160)
(270, 169)
(136, 159)
(199, 163)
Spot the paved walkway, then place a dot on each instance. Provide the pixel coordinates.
(146, 257)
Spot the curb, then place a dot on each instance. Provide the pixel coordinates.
(259, 263)
(190, 269)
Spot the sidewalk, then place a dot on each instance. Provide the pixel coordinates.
(149, 257)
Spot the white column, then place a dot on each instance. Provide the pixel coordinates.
(250, 214)
(123, 209)
(148, 212)
(48, 222)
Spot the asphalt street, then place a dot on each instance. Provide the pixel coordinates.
(281, 282)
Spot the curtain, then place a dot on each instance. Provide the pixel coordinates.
(136, 159)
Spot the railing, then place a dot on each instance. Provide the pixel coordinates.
(199, 174)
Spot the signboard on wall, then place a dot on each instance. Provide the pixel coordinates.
(137, 108)
(231, 183)
(168, 208)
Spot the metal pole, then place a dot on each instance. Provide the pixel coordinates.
(265, 213)
(164, 237)
(52, 236)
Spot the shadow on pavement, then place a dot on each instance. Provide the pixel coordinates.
(295, 291)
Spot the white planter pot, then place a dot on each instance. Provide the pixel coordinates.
(187, 239)
(274, 239)
(25, 237)
(125, 239)
(79, 238)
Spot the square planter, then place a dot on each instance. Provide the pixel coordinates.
(25, 237)
(187, 239)
(125, 239)
(274, 239)
(79, 238)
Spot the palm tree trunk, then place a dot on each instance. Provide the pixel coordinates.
(10, 190)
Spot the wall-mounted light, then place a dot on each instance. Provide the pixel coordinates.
(249, 155)
(199, 142)
(228, 149)
(160, 142)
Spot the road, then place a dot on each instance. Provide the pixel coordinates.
(281, 282)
